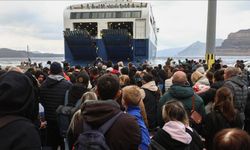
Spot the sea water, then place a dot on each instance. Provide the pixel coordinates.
(229, 60)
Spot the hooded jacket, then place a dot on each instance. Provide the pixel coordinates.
(176, 136)
(52, 93)
(184, 94)
(17, 99)
(173, 136)
(124, 134)
(239, 91)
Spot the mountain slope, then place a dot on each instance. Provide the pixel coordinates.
(5, 52)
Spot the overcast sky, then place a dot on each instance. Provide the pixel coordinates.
(40, 23)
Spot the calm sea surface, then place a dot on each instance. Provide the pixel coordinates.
(16, 61)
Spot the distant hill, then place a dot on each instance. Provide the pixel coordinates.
(169, 52)
(236, 44)
(5, 52)
(197, 48)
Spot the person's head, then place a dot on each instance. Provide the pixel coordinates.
(40, 76)
(180, 78)
(146, 77)
(108, 87)
(56, 68)
(210, 76)
(219, 75)
(125, 71)
(231, 139)
(231, 72)
(224, 103)
(196, 76)
(174, 111)
(120, 64)
(131, 95)
(16, 95)
(124, 80)
(83, 78)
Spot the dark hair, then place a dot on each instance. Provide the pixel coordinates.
(219, 75)
(231, 139)
(107, 86)
(125, 70)
(116, 67)
(147, 77)
(224, 103)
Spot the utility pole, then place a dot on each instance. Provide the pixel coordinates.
(211, 32)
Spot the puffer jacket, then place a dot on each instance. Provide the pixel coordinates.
(239, 89)
(52, 93)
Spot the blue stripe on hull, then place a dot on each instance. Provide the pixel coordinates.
(142, 49)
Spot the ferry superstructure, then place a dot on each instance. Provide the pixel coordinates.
(113, 30)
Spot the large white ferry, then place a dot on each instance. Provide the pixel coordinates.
(112, 29)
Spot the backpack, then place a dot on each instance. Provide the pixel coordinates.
(65, 113)
(94, 139)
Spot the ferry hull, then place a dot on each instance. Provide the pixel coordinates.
(138, 50)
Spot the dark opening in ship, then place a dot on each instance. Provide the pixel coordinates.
(90, 27)
(121, 25)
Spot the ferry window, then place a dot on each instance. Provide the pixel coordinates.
(85, 15)
(109, 15)
(126, 14)
(78, 15)
(73, 16)
(136, 14)
(118, 14)
(94, 15)
(101, 15)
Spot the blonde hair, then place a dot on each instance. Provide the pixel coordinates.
(196, 76)
(174, 111)
(124, 80)
(131, 95)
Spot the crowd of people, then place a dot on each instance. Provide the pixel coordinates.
(184, 106)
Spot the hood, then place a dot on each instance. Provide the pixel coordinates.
(16, 95)
(151, 86)
(181, 91)
(237, 80)
(204, 81)
(177, 131)
(95, 113)
(52, 80)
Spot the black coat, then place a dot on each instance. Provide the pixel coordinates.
(166, 141)
(19, 135)
(215, 122)
(52, 93)
(151, 101)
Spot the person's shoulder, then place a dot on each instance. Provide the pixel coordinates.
(22, 125)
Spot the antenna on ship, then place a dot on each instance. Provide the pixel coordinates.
(28, 55)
